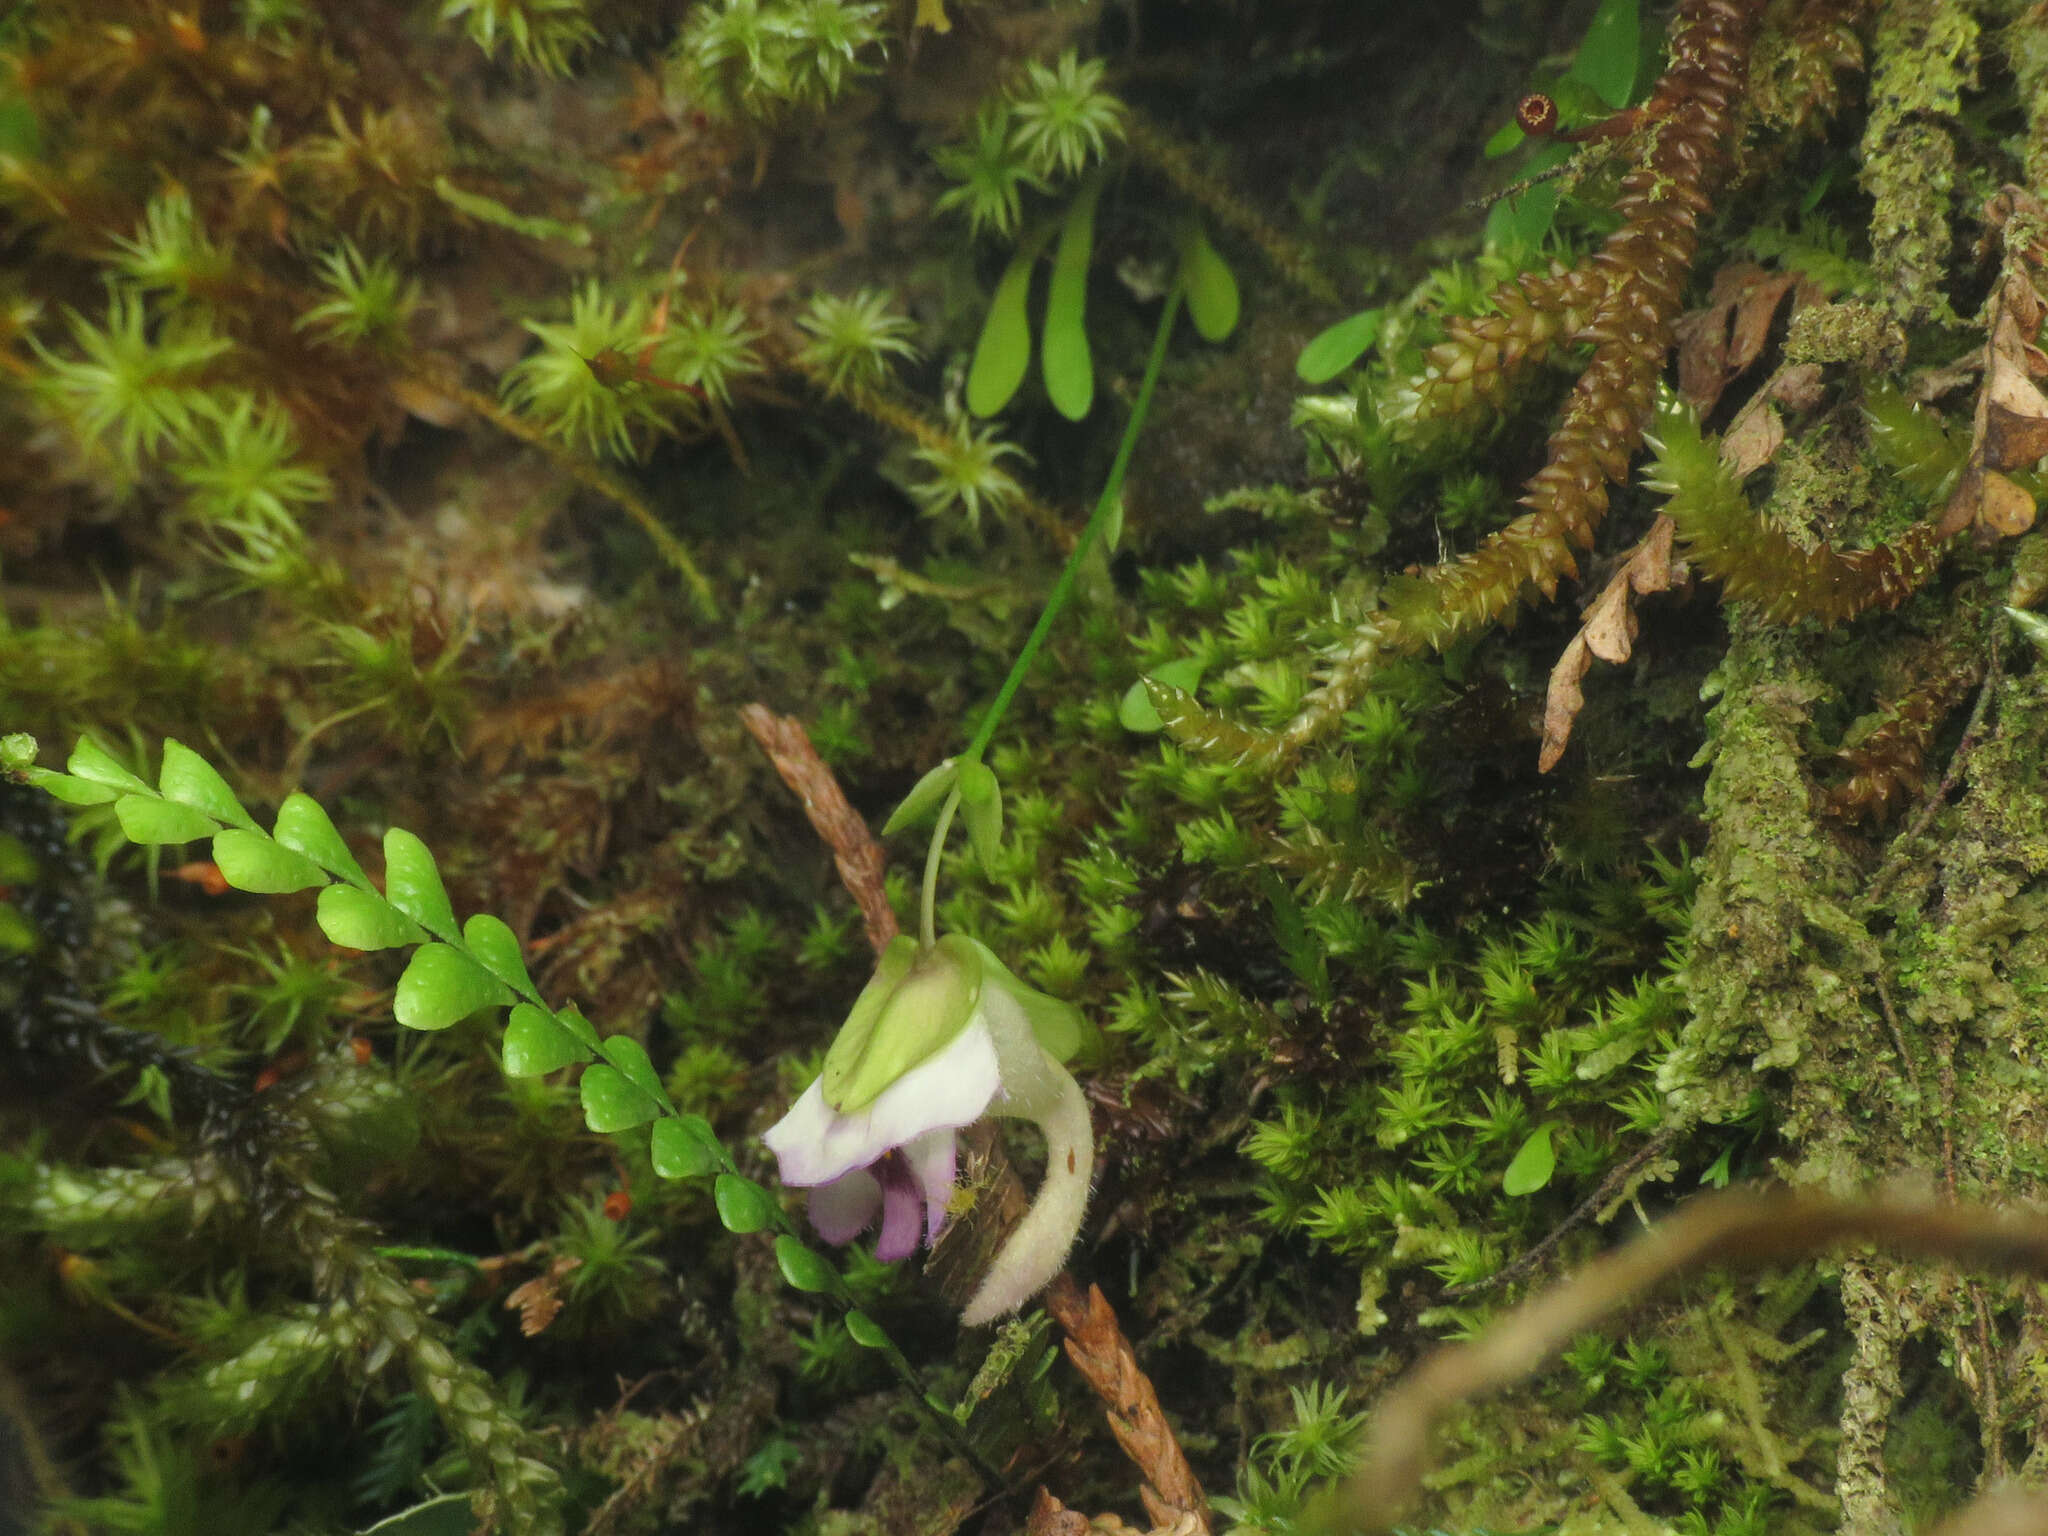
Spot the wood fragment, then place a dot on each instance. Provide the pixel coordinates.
(858, 857)
(1101, 1353)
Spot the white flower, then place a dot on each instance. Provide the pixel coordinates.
(937, 1039)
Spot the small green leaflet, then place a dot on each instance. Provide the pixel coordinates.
(1064, 359)
(1609, 54)
(1532, 1165)
(1334, 350)
(1003, 352)
(1209, 286)
(1136, 712)
(441, 985)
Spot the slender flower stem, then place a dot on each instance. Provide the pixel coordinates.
(927, 926)
(1112, 489)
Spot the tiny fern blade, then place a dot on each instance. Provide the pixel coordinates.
(303, 826)
(146, 819)
(1003, 351)
(249, 861)
(441, 985)
(685, 1148)
(71, 790)
(412, 883)
(611, 1103)
(364, 920)
(93, 762)
(496, 949)
(630, 1058)
(189, 779)
(536, 1045)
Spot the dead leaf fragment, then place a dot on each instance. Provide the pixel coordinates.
(1716, 344)
(539, 1301)
(1609, 633)
(2011, 430)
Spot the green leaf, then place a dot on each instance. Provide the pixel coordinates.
(802, 1267)
(17, 934)
(189, 779)
(1610, 52)
(743, 1205)
(1209, 286)
(72, 791)
(925, 798)
(1330, 352)
(146, 819)
(630, 1057)
(91, 761)
(446, 1514)
(494, 947)
(610, 1103)
(536, 1045)
(250, 861)
(413, 885)
(571, 1019)
(1524, 220)
(1002, 353)
(1506, 139)
(1136, 712)
(303, 827)
(1532, 1166)
(357, 919)
(440, 985)
(2032, 625)
(1064, 360)
(685, 1147)
(981, 807)
(867, 1333)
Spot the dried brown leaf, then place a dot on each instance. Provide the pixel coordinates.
(539, 1301)
(1609, 632)
(1718, 343)
(2011, 430)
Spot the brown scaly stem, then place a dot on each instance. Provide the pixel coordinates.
(1623, 301)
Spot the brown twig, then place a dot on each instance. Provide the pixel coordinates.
(855, 852)
(1103, 1355)
(1738, 1230)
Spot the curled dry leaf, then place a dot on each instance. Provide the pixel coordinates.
(1609, 633)
(2011, 429)
(1716, 344)
(539, 1301)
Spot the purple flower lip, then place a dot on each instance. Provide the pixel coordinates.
(894, 1159)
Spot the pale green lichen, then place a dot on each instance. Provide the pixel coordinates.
(1923, 58)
